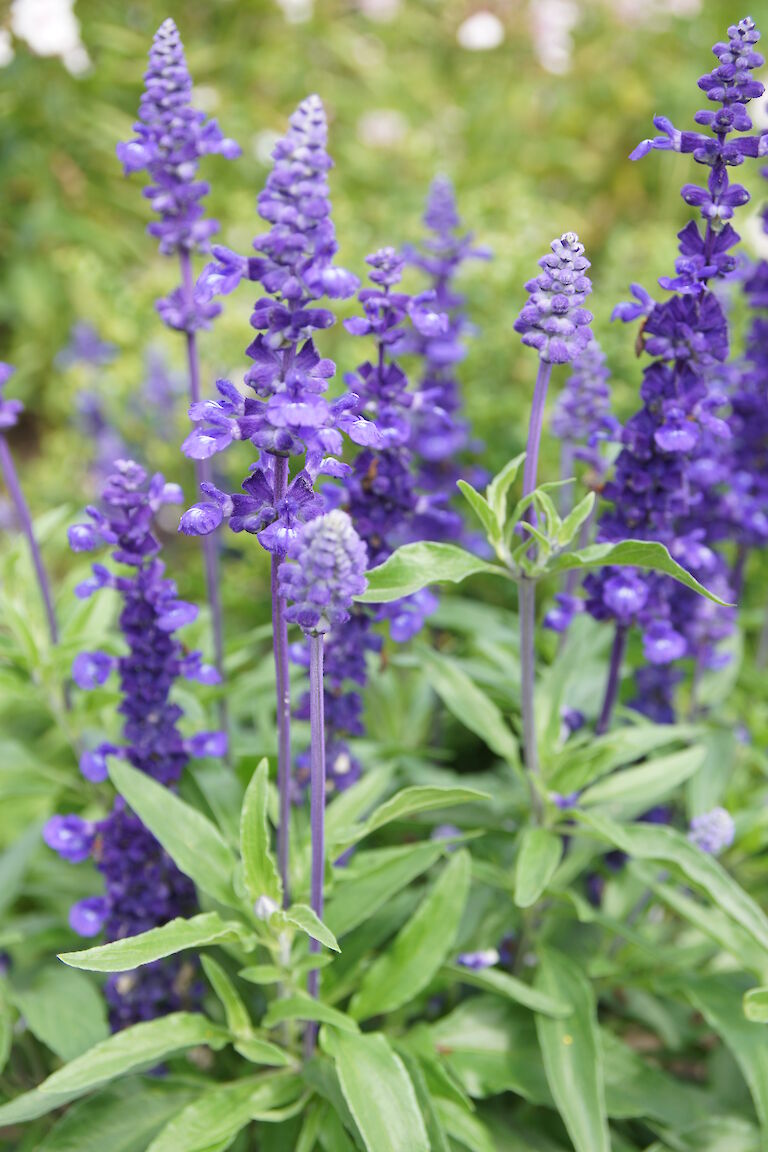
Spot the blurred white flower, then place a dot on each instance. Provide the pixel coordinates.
(552, 22)
(263, 143)
(297, 11)
(382, 128)
(50, 28)
(480, 32)
(6, 48)
(382, 11)
(206, 98)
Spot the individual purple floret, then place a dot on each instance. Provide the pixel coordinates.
(288, 414)
(143, 887)
(171, 137)
(656, 492)
(439, 434)
(323, 571)
(477, 961)
(10, 410)
(713, 831)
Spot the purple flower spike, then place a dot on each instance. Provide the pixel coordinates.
(324, 571)
(675, 479)
(143, 887)
(554, 321)
(171, 136)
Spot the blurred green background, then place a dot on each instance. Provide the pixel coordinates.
(534, 132)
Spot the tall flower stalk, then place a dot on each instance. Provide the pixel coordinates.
(660, 490)
(288, 419)
(324, 570)
(9, 415)
(556, 324)
(143, 888)
(171, 137)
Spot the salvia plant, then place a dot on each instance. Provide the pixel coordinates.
(334, 935)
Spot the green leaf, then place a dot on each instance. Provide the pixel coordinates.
(481, 508)
(573, 1059)
(538, 858)
(260, 1051)
(123, 1118)
(634, 554)
(141, 1046)
(575, 518)
(410, 801)
(223, 1110)
(469, 704)
(346, 808)
(190, 839)
(238, 1019)
(261, 974)
(502, 984)
(64, 1010)
(643, 786)
(303, 1007)
(719, 1000)
(667, 846)
(463, 1127)
(259, 868)
(582, 762)
(357, 897)
(303, 917)
(420, 948)
(755, 1005)
(498, 488)
(414, 566)
(379, 1093)
(14, 863)
(133, 951)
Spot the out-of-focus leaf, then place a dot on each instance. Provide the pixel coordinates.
(537, 860)
(175, 936)
(189, 838)
(358, 896)
(572, 1054)
(379, 1093)
(420, 948)
(64, 1009)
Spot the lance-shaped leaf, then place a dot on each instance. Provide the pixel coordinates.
(194, 844)
(633, 554)
(259, 869)
(414, 566)
(133, 951)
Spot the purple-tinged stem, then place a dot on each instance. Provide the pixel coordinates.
(317, 805)
(613, 681)
(531, 468)
(283, 686)
(11, 478)
(527, 597)
(203, 473)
